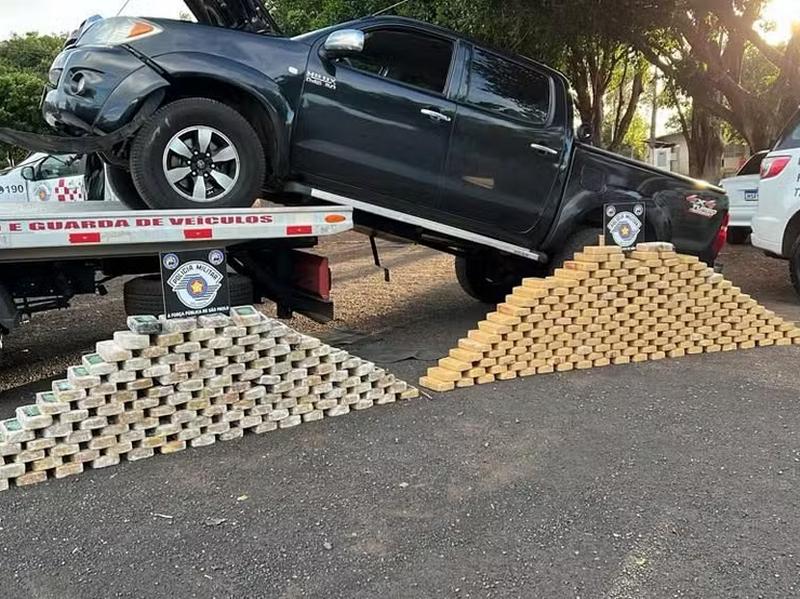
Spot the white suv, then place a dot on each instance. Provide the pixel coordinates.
(776, 226)
(742, 190)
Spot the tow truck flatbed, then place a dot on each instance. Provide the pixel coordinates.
(52, 252)
(106, 229)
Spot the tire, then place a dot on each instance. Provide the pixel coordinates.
(143, 295)
(794, 266)
(486, 278)
(573, 244)
(738, 235)
(121, 184)
(197, 136)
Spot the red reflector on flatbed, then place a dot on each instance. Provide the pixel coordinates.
(299, 230)
(84, 237)
(198, 234)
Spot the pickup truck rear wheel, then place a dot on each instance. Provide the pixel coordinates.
(198, 153)
(486, 279)
(572, 245)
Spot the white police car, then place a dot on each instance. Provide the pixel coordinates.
(43, 178)
(776, 226)
(742, 190)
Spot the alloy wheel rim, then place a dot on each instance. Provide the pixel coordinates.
(201, 164)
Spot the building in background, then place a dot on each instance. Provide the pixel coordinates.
(672, 154)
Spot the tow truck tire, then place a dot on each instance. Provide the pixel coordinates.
(794, 266)
(122, 185)
(143, 295)
(197, 153)
(738, 235)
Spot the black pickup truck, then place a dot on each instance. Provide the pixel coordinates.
(431, 136)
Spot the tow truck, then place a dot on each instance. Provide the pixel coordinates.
(50, 253)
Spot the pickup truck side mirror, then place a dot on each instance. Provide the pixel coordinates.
(585, 133)
(343, 43)
(28, 173)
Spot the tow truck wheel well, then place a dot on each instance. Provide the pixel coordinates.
(240, 100)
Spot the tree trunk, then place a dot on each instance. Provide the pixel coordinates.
(705, 146)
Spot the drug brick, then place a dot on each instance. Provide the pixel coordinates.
(31, 478)
(80, 377)
(69, 469)
(110, 351)
(49, 404)
(105, 461)
(178, 325)
(245, 316)
(31, 418)
(66, 392)
(139, 453)
(95, 364)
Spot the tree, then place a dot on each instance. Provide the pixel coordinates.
(31, 53)
(712, 51)
(24, 63)
(606, 73)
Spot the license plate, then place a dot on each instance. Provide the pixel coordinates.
(751, 195)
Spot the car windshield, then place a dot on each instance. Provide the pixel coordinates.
(790, 137)
(29, 159)
(752, 166)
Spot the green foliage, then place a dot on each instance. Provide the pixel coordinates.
(24, 62)
(31, 53)
(636, 139)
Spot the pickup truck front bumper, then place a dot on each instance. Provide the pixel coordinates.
(89, 144)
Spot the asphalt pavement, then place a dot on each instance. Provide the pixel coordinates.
(676, 478)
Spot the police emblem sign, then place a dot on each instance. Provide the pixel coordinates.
(194, 282)
(623, 223)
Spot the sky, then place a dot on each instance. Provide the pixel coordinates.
(62, 16)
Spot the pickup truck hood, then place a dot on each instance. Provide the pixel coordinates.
(245, 15)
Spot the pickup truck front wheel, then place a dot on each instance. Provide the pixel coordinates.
(122, 186)
(197, 153)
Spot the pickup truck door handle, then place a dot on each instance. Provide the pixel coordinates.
(436, 116)
(544, 150)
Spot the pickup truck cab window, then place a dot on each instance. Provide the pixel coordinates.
(507, 88)
(405, 56)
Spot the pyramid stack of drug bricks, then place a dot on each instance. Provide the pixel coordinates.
(608, 307)
(164, 386)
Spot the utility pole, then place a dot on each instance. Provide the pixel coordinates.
(654, 117)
